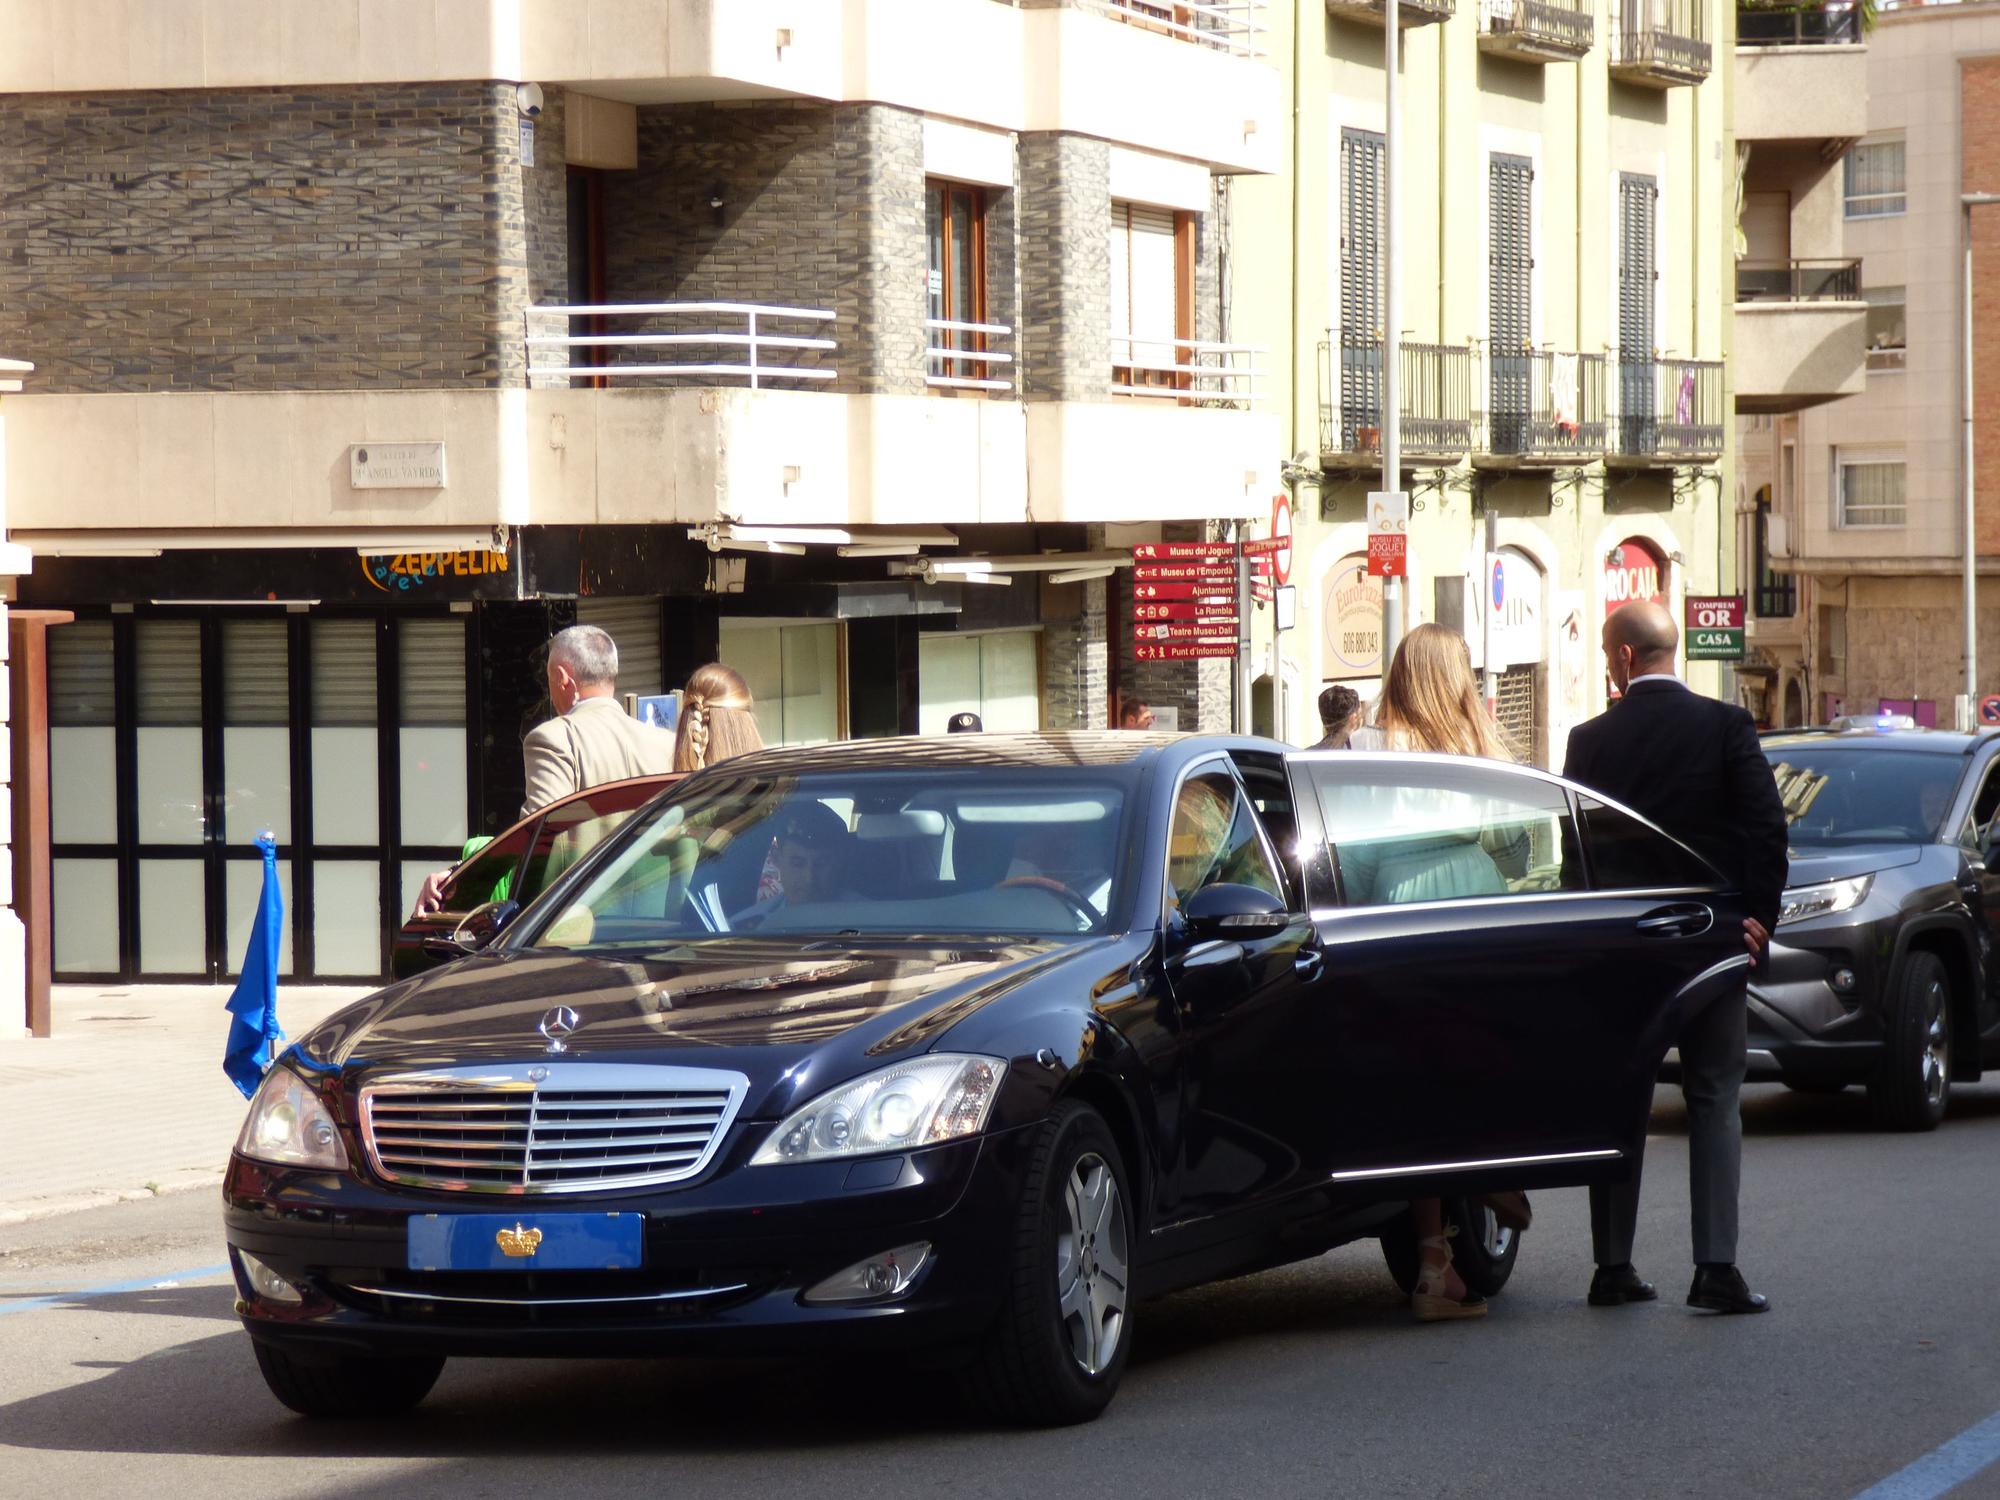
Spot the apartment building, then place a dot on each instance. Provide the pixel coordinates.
(1809, 332)
(1860, 501)
(374, 342)
(1565, 185)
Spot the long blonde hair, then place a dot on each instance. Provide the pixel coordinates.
(1430, 699)
(716, 719)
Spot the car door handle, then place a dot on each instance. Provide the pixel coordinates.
(1309, 963)
(1676, 921)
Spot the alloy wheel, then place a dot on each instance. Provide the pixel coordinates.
(1495, 1238)
(1091, 1261)
(1937, 1045)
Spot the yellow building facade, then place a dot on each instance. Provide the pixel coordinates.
(1568, 184)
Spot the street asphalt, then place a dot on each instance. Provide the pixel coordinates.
(1878, 1252)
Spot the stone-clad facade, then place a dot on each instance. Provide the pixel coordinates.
(1065, 328)
(262, 239)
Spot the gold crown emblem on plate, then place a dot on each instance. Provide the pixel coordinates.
(518, 1242)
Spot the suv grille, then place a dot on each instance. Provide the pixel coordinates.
(547, 1128)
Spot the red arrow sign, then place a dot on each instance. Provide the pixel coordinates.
(1221, 633)
(1182, 591)
(1180, 551)
(1264, 546)
(1223, 577)
(1182, 650)
(1179, 609)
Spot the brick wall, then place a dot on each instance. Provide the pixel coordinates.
(1065, 274)
(1076, 652)
(1979, 155)
(546, 201)
(262, 239)
(820, 207)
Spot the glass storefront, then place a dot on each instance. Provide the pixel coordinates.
(793, 671)
(996, 675)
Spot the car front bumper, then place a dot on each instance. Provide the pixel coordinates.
(726, 1265)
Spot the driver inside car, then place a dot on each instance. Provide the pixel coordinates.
(1065, 855)
(811, 856)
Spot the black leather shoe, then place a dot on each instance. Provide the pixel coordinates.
(1613, 1286)
(1722, 1289)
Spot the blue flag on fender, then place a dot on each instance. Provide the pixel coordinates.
(253, 1006)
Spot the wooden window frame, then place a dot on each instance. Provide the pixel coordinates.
(1184, 292)
(969, 342)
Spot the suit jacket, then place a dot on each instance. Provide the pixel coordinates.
(595, 742)
(1692, 765)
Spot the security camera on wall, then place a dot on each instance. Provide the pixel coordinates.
(529, 97)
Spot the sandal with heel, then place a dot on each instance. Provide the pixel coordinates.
(1430, 1299)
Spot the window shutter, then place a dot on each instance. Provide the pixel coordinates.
(1360, 284)
(1638, 199)
(635, 625)
(80, 678)
(169, 672)
(1509, 321)
(256, 684)
(430, 671)
(1121, 273)
(343, 671)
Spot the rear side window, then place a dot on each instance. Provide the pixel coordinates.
(1214, 840)
(1625, 854)
(489, 874)
(1434, 829)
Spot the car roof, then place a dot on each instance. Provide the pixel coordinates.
(1929, 741)
(1083, 748)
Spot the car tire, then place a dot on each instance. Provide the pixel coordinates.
(1483, 1250)
(1055, 1355)
(344, 1387)
(1912, 1083)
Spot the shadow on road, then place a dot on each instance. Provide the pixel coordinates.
(204, 1396)
(1772, 1110)
(170, 1302)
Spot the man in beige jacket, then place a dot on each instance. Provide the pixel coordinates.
(592, 739)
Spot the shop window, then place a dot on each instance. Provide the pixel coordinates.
(347, 917)
(83, 742)
(256, 731)
(84, 903)
(793, 673)
(243, 889)
(171, 804)
(955, 232)
(430, 673)
(634, 626)
(172, 939)
(1886, 326)
(346, 795)
(1869, 491)
(1152, 298)
(1875, 184)
(996, 676)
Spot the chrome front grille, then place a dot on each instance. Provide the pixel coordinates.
(571, 1127)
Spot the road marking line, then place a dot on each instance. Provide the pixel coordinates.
(112, 1288)
(1943, 1468)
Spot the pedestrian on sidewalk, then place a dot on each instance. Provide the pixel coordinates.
(1430, 702)
(1339, 716)
(1136, 714)
(1693, 766)
(591, 739)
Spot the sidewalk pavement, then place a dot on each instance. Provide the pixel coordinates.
(127, 1098)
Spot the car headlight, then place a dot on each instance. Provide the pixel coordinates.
(289, 1127)
(916, 1103)
(1803, 902)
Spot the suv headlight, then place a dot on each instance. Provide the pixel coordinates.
(916, 1103)
(288, 1126)
(1803, 902)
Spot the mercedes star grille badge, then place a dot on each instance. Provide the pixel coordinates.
(557, 1025)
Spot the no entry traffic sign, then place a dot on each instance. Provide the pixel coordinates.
(1989, 709)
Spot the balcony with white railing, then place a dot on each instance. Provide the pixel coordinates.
(963, 356)
(1233, 26)
(1192, 372)
(626, 341)
(11, 371)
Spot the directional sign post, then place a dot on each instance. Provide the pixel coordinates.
(1388, 533)
(1184, 605)
(1715, 627)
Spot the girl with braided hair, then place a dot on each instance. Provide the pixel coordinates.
(717, 719)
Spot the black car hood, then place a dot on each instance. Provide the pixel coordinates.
(1813, 863)
(779, 1012)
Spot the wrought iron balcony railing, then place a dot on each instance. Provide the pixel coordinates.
(1235, 26)
(1535, 30)
(1798, 281)
(1543, 404)
(1798, 25)
(1667, 410)
(1661, 43)
(1434, 395)
(964, 356)
(655, 349)
(1193, 371)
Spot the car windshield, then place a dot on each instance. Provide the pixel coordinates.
(982, 852)
(1847, 796)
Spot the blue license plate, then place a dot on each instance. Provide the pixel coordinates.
(527, 1242)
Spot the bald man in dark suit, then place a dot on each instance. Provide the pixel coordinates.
(1694, 767)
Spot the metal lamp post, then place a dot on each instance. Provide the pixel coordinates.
(1969, 704)
(1392, 313)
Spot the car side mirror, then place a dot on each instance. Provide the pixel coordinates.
(475, 930)
(1229, 912)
